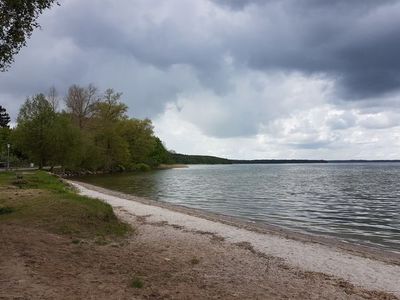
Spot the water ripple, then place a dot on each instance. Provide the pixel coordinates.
(354, 202)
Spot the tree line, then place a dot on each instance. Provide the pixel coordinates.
(92, 132)
(198, 159)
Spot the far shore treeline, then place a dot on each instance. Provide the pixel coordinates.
(91, 133)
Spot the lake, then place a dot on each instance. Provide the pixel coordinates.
(355, 202)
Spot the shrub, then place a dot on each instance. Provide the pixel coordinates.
(142, 167)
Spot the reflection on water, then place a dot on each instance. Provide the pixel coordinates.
(355, 202)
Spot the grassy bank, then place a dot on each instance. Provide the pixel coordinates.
(38, 199)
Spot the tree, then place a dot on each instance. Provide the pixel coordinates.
(113, 149)
(18, 19)
(33, 134)
(110, 108)
(140, 137)
(4, 132)
(47, 137)
(106, 127)
(4, 118)
(160, 154)
(81, 103)
(66, 140)
(94, 133)
(52, 97)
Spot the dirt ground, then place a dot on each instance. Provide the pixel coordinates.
(158, 261)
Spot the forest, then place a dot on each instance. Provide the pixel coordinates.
(198, 159)
(92, 132)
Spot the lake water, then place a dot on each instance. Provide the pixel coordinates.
(359, 203)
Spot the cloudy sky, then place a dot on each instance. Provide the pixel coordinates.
(233, 78)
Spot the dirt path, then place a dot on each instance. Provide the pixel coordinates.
(170, 263)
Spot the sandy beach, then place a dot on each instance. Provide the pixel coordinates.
(310, 269)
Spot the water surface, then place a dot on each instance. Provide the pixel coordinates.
(358, 203)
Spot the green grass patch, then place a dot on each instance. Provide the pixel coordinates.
(43, 200)
(137, 283)
(5, 177)
(40, 180)
(4, 210)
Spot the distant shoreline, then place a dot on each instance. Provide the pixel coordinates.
(171, 166)
(306, 161)
(185, 159)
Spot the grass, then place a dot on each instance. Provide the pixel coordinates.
(137, 283)
(43, 200)
(194, 261)
(6, 210)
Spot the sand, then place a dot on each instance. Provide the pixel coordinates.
(358, 270)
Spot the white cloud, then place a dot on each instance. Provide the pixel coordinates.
(308, 133)
(381, 120)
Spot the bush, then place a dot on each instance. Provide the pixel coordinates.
(119, 168)
(142, 167)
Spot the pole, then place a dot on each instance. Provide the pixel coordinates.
(8, 157)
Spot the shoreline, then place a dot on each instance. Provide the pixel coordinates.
(376, 253)
(362, 266)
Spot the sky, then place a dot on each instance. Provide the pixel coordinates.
(240, 79)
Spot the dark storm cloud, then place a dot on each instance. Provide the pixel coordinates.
(241, 4)
(176, 39)
(355, 42)
(156, 51)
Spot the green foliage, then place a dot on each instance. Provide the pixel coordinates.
(4, 140)
(45, 201)
(4, 118)
(44, 136)
(140, 138)
(93, 133)
(4, 210)
(34, 133)
(110, 109)
(113, 149)
(40, 180)
(89, 157)
(107, 131)
(137, 283)
(17, 21)
(160, 154)
(66, 141)
(198, 159)
(4, 135)
(141, 167)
